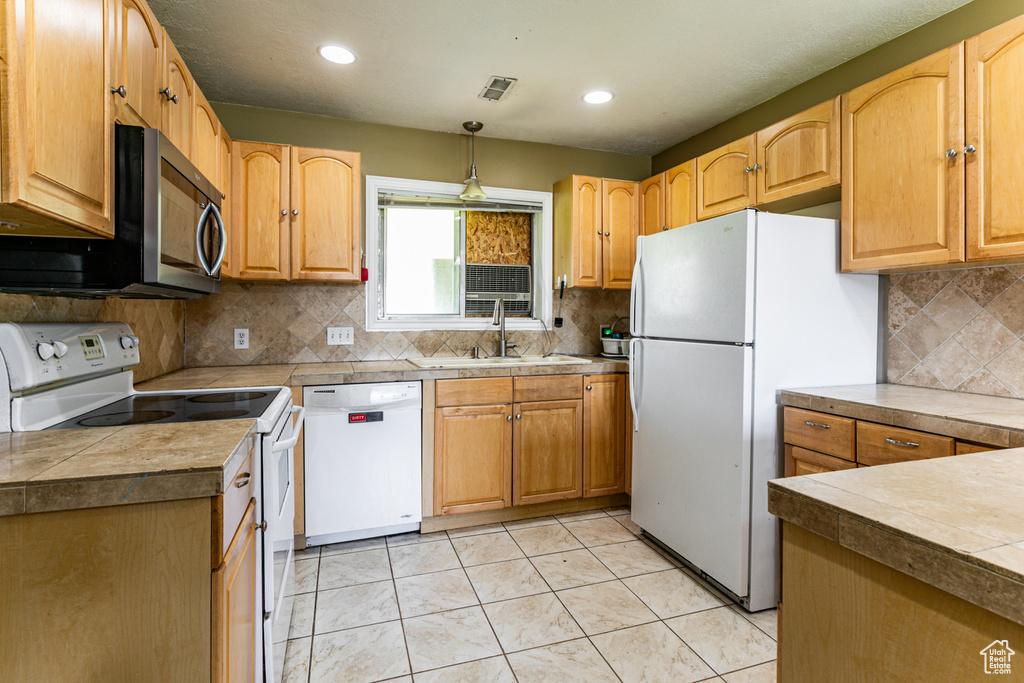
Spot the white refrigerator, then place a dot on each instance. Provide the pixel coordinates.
(724, 314)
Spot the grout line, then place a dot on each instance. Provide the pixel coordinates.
(398, 603)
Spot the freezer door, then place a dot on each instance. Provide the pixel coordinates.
(692, 453)
(697, 282)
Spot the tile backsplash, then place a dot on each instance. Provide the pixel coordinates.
(288, 324)
(958, 329)
(158, 323)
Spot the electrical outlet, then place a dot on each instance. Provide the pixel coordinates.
(339, 336)
(242, 338)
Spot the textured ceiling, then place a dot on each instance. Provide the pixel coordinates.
(677, 67)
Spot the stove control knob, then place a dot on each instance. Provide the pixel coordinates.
(135, 342)
(45, 350)
(60, 349)
(127, 343)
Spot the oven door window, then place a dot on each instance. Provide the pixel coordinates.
(181, 207)
(283, 481)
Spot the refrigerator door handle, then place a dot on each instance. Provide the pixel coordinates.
(634, 391)
(636, 292)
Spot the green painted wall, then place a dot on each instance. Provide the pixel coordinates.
(427, 155)
(960, 24)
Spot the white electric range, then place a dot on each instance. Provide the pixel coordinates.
(75, 376)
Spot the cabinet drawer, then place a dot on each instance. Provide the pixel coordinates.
(229, 508)
(801, 461)
(473, 392)
(880, 444)
(548, 388)
(820, 432)
(965, 448)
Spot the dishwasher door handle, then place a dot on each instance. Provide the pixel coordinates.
(296, 431)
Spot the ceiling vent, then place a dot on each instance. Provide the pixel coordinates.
(497, 87)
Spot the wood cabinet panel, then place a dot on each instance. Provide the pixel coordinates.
(224, 185)
(205, 138)
(621, 217)
(903, 199)
(725, 179)
(137, 63)
(629, 445)
(547, 387)
(881, 444)
(820, 432)
(799, 154)
(800, 461)
(230, 507)
(472, 459)
(681, 195)
(579, 230)
(468, 392)
(966, 448)
(547, 459)
(325, 227)
(604, 438)
(179, 100)
(234, 606)
(652, 205)
(259, 210)
(56, 119)
(995, 129)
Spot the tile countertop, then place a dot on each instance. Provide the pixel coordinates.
(956, 523)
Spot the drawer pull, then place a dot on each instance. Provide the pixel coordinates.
(817, 424)
(909, 444)
(244, 481)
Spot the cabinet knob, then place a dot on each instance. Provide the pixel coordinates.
(509, 418)
(606, 234)
(598, 232)
(166, 92)
(295, 212)
(757, 167)
(950, 153)
(748, 170)
(664, 227)
(589, 387)
(519, 417)
(284, 212)
(120, 90)
(970, 149)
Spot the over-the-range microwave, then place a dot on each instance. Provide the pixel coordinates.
(169, 238)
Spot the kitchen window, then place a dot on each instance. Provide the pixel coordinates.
(438, 262)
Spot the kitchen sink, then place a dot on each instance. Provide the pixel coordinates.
(512, 361)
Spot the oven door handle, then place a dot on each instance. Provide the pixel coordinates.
(296, 431)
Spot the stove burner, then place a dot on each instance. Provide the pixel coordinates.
(158, 398)
(219, 415)
(228, 397)
(119, 419)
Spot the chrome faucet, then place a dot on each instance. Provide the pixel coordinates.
(499, 320)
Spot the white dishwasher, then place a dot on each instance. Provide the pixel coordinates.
(362, 460)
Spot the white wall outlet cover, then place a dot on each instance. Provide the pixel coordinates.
(241, 338)
(340, 336)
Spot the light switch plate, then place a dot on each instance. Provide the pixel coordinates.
(339, 336)
(242, 338)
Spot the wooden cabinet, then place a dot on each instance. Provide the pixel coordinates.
(821, 432)
(55, 113)
(137, 65)
(472, 458)
(596, 224)
(206, 142)
(652, 205)
(547, 462)
(178, 99)
(725, 180)
(325, 214)
(882, 444)
(799, 154)
(295, 213)
(994, 129)
(234, 606)
(903, 197)
(800, 461)
(604, 438)
(681, 195)
(224, 185)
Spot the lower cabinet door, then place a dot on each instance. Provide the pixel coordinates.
(234, 606)
(604, 411)
(547, 462)
(472, 458)
(800, 461)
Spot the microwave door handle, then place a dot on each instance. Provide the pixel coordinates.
(200, 231)
(223, 239)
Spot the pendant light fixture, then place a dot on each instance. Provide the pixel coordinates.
(472, 189)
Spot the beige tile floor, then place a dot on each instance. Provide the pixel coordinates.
(577, 597)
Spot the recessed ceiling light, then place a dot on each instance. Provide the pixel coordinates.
(337, 54)
(598, 96)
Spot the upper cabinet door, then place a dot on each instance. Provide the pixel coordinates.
(652, 205)
(587, 231)
(621, 214)
(325, 198)
(178, 99)
(799, 154)
(137, 64)
(56, 110)
(224, 185)
(205, 138)
(725, 179)
(995, 131)
(260, 210)
(681, 194)
(903, 197)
